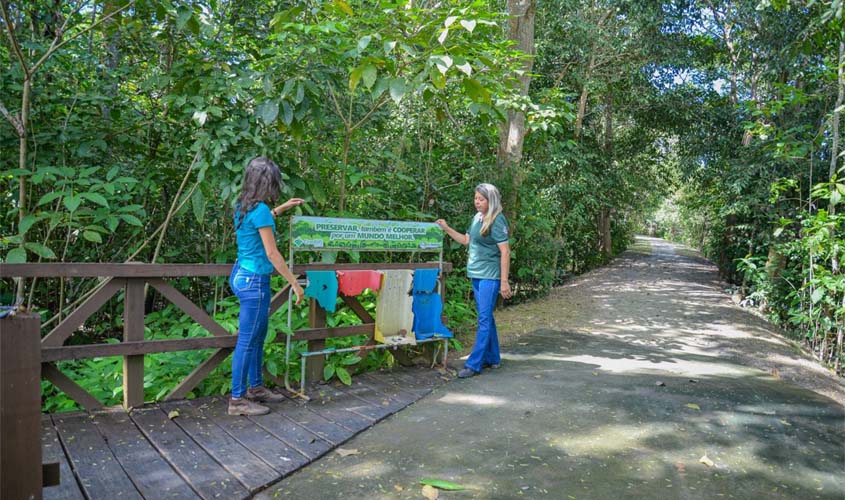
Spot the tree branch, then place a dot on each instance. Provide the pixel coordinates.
(337, 107)
(173, 210)
(56, 45)
(372, 110)
(12, 39)
(13, 120)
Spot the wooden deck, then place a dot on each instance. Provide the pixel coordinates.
(204, 453)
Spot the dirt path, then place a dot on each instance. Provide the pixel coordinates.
(640, 380)
(664, 295)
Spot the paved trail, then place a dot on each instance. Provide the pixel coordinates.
(624, 382)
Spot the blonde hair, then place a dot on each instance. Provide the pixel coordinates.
(494, 205)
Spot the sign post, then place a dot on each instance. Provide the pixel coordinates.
(324, 234)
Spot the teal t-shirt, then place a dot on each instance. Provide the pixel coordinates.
(484, 255)
(251, 253)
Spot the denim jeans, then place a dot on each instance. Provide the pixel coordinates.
(253, 293)
(486, 349)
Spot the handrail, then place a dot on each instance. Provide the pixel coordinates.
(131, 278)
(142, 270)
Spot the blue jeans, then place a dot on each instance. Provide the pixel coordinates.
(486, 349)
(253, 293)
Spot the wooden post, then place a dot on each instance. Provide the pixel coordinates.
(133, 329)
(20, 406)
(442, 279)
(314, 368)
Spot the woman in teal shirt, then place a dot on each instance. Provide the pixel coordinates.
(258, 256)
(488, 266)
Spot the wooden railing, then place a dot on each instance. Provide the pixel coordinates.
(132, 279)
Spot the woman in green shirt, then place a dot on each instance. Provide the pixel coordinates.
(488, 267)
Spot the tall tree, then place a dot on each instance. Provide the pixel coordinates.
(59, 28)
(512, 131)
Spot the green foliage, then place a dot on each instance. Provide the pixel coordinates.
(138, 131)
(758, 191)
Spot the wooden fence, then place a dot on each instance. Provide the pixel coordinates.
(132, 279)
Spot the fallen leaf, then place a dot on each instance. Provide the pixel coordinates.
(693, 406)
(442, 484)
(344, 452)
(538, 376)
(173, 414)
(660, 383)
(784, 422)
(398, 487)
(706, 461)
(430, 492)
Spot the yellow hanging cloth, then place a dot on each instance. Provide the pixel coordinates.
(394, 312)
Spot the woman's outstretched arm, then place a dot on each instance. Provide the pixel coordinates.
(463, 239)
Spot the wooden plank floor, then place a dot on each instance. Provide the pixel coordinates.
(205, 453)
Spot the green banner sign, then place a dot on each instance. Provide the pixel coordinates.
(325, 233)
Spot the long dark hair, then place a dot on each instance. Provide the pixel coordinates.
(262, 182)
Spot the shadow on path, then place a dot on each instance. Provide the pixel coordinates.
(628, 378)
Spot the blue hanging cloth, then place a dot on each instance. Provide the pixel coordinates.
(425, 280)
(427, 324)
(322, 286)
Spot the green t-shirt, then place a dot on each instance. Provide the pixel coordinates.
(484, 255)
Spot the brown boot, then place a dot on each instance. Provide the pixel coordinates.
(262, 394)
(244, 406)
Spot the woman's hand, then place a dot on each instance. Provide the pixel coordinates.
(297, 290)
(442, 224)
(293, 202)
(505, 289)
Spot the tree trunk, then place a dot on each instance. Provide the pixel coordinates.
(840, 337)
(558, 242)
(724, 261)
(22, 153)
(347, 142)
(733, 57)
(112, 59)
(755, 78)
(582, 101)
(606, 243)
(775, 264)
(512, 132)
(834, 126)
(834, 153)
(724, 22)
